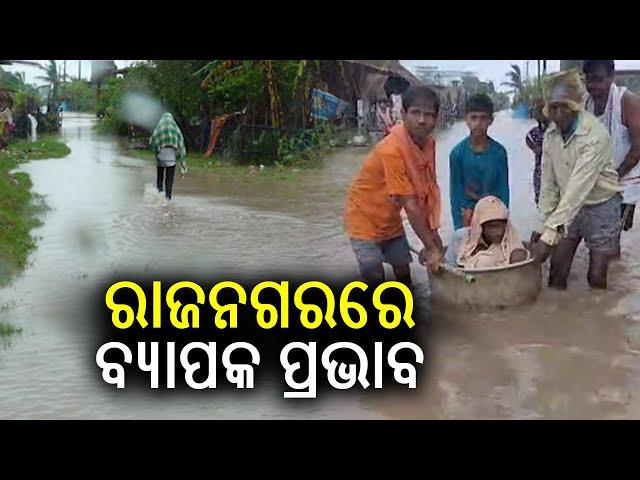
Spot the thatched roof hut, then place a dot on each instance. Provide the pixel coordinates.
(366, 79)
(388, 68)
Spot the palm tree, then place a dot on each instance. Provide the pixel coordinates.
(19, 80)
(515, 82)
(11, 80)
(16, 80)
(523, 90)
(52, 77)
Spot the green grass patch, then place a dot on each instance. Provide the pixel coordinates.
(7, 330)
(240, 172)
(19, 206)
(25, 150)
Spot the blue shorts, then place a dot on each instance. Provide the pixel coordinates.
(372, 254)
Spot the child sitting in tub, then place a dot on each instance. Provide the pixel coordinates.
(490, 241)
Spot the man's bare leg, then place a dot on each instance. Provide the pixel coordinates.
(617, 254)
(403, 274)
(561, 260)
(627, 213)
(598, 269)
(373, 275)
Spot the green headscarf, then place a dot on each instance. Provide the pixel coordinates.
(168, 134)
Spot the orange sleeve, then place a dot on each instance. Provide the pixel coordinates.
(396, 176)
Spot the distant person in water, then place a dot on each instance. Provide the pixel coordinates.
(205, 128)
(167, 143)
(6, 120)
(490, 241)
(396, 108)
(385, 123)
(478, 165)
(534, 142)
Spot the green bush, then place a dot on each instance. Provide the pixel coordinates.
(25, 102)
(110, 98)
(111, 122)
(272, 92)
(48, 122)
(80, 96)
(305, 145)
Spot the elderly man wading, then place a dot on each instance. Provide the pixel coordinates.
(580, 192)
(619, 111)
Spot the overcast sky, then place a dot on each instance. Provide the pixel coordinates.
(72, 68)
(486, 70)
(495, 70)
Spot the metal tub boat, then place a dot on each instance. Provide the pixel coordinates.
(492, 288)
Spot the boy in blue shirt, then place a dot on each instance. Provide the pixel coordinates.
(478, 165)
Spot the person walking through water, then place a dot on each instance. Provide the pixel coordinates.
(619, 111)
(167, 143)
(580, 192)
(400, 173)
(478, 165)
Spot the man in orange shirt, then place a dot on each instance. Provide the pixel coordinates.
(399, 173)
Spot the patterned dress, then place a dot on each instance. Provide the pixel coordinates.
(534, 138)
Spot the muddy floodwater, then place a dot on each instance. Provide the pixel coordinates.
(572, 354)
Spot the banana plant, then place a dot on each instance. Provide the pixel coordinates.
(274, 88)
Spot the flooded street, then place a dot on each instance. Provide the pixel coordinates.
(573, 354)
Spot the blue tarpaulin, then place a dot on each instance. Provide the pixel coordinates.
(521, 111)
(327, 106)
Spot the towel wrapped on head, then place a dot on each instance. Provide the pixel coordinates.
(564, 87)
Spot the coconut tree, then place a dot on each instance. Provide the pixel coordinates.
(20, 79)
(515, 83)
(11, 80)
(52, 78)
